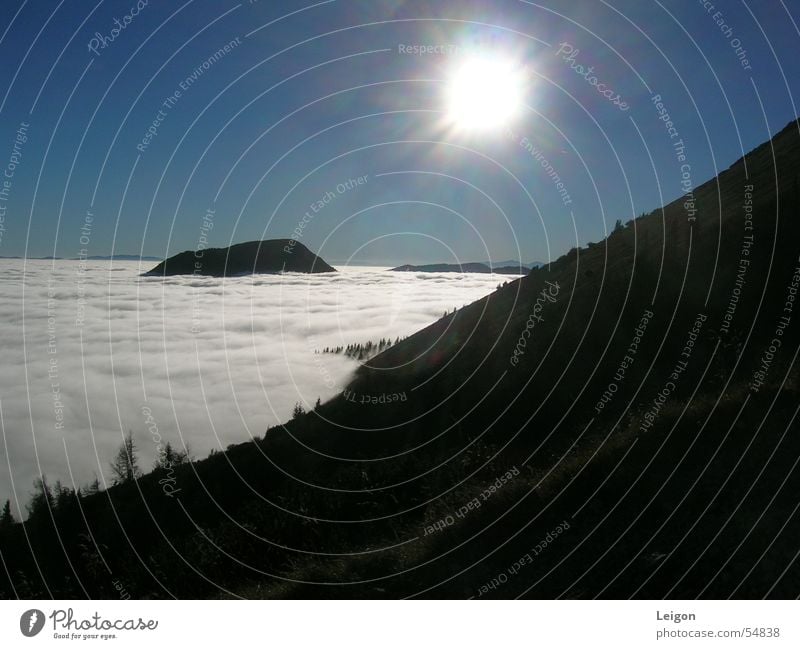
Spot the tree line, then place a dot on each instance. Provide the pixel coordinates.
(125, 467)
(361, 351)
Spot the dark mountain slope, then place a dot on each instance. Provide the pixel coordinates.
(635, 457)
(504, 474)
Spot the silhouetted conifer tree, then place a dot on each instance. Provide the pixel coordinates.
(62, 496)
(6, 517)
(168, 457)
(41, 501)
(125, 466)
(93, 488)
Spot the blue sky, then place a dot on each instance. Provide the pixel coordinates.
(309, 96)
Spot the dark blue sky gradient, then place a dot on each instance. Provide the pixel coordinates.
(318, 97)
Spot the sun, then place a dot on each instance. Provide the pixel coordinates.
(483, 93)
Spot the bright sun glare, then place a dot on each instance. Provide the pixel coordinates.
(484, 93)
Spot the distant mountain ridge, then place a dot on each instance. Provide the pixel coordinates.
(513, 262)
(121, 258)
(116, 257)
(471, 267)
(252, 257)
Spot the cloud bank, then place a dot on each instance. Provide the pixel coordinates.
(89, 347)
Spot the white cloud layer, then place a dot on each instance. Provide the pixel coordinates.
(216, 361)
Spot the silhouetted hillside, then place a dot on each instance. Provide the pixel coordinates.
(271, 256)
(619, 424)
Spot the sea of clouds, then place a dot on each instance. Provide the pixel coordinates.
(90, 348)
